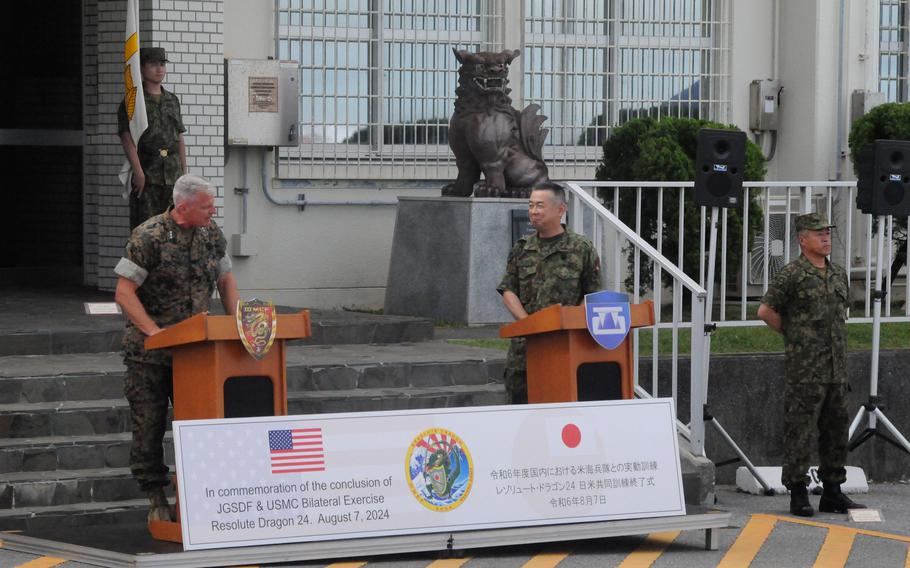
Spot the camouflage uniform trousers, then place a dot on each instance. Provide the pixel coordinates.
(807, 407)
(516, 375)
(148, 388)
(155, 199)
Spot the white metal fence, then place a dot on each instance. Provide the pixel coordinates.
(591, 218)
(629, 252)
(760, 255)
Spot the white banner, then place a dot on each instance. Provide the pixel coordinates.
(253, 481)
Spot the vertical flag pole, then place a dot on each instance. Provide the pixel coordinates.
(133, 97)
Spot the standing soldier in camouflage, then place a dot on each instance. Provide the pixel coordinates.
(552, 266)
(807, 302)
(161, 155)
(172, 265)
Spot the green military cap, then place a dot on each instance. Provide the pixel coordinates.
(812, 222)
(147, 54)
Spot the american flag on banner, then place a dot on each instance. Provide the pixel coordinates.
(296, 450)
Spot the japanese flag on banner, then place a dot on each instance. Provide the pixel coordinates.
(571, 436)
(132, 74)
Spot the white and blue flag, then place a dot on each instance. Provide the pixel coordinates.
(608, 317)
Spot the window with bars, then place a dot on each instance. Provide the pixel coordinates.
(595, 64)
(377, 82)
(892, 62)
(378, 77)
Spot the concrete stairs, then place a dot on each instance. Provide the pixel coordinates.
(65, 427)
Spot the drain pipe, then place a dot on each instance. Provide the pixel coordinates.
(243, 191)
(300, 202)
(841, 126)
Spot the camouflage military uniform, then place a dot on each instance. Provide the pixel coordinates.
(543, 272)
(159, 154)
(176, 269)
(812, 303)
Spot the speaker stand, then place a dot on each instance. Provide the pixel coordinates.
(873, 407)
(707, 416)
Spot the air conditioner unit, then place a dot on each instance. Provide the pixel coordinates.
(777, 225)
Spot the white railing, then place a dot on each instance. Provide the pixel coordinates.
(589, 217)
(773, 245)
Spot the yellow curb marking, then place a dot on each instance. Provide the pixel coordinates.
(877, 534)
(43, 562)
(749, 542)
(546, 560)
(836, 548)
(649, 550)
(449, 562)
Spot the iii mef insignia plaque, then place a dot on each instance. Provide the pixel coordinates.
(257, 324)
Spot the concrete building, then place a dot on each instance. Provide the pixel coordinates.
(312, 224)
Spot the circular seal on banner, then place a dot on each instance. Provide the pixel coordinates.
(439, 469)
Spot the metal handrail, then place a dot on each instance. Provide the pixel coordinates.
(695, 430)
(635, 239)
(783, 198)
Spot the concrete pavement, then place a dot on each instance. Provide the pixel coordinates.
(762, 535)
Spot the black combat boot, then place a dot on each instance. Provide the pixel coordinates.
(833, 501)
(799, 500)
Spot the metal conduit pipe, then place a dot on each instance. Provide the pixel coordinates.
(243, 190)
(301, 202)
(841, 111)
(351, 202)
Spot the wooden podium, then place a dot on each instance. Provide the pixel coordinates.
(215, 376)
(562, 355)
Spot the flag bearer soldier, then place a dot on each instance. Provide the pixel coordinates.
(160, 157)
(173, 263)
(552, 266)
(807, 302)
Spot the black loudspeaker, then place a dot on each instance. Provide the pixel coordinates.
(883, 178)
(719, 165)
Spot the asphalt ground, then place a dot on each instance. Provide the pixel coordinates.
(761, 535)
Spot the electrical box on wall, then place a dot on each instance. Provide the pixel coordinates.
(763, 104)
(262, 101)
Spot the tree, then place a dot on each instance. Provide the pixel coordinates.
(890, 121)
(646, 149)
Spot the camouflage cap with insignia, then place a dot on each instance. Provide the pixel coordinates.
(812, 222)
(147, 54)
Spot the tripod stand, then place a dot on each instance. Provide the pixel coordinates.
(707, 416)
(873, 408)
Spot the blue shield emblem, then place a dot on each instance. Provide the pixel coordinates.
(608, 317)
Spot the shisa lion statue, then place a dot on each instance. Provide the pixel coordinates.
(487, 135)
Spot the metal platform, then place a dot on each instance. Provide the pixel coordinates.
(132, 545)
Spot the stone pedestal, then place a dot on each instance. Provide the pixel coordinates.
(448, 256)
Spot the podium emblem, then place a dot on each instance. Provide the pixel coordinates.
(608, 317)
(257, 324)
(439, 469)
